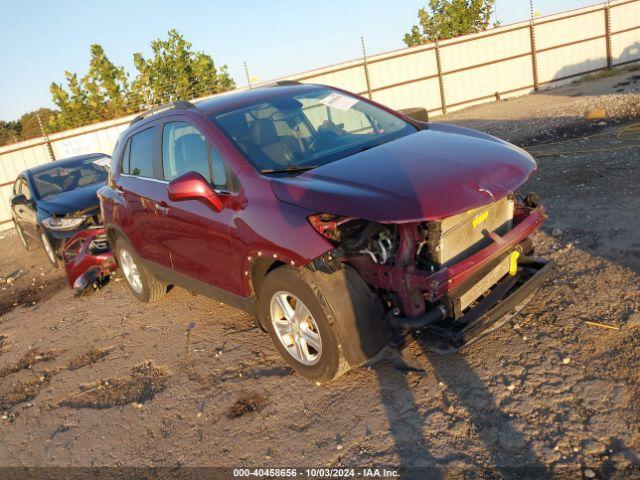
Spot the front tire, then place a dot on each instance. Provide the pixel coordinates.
(24, 241)
(298, 326)
(141, 282)
(49, 250)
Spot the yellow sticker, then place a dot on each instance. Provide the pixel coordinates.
(480, 219)
(513, 262)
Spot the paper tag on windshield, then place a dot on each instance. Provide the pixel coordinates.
(341, 102)
(103, 162)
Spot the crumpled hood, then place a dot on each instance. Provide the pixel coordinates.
(428, 175)
(80, 199)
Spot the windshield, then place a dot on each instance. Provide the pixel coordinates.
(301, 131)
(63, 179)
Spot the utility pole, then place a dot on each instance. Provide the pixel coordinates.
(52, 157)
(365, 66)
(246, 72)
(534, 55)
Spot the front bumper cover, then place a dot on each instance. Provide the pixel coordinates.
(88, 260)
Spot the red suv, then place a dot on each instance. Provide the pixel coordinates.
(341, 224)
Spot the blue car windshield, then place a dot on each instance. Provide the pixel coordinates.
(58, 179)
(309, 129)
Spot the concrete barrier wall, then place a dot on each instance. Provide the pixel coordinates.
(445, 76)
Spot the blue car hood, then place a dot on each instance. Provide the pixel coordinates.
(79, 200)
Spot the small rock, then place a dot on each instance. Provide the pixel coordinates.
(620, 461)
(566, 361)
(556, 232)
(634, 321)
(593, 448)
(595, 114)
(589, 473)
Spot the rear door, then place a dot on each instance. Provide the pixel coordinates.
(142, 189)
(196, 235)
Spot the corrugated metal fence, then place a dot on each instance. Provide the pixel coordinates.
(441, 77)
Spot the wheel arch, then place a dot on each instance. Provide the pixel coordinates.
(113, 232)
(355, 311)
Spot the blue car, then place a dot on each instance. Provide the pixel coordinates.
(53, 201)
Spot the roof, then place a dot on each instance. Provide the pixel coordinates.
(223, 102)
(65, 162)
(236, 100)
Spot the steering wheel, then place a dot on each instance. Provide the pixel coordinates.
(321, 135)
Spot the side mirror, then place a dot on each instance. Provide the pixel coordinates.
(193, 186)
(19, 200)
(417, 113)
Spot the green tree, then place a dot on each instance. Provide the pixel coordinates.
(9, 132)
(101, 94)
(29, 126)
(74, 110)
(106, 86)
(450, 18)
(175, 72)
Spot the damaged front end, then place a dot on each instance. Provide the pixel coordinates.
(454, 278)
(88, 260)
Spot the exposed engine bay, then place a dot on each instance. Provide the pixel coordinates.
(428, 272)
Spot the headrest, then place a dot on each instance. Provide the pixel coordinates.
(263, 132)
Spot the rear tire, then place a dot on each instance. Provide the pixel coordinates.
(141, 282)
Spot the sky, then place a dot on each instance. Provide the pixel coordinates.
(41, 39)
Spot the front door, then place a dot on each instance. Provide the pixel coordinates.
(25, 214)
(197, 236)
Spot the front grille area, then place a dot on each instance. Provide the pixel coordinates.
(99, 244)
(454, 238)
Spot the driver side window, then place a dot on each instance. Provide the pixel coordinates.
(23, 188)
(185, 149)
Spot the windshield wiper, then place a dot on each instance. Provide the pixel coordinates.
(290, 169)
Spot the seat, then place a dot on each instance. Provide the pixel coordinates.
(281, 150)
(191, 155)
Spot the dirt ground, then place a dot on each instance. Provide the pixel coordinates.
(102, 380)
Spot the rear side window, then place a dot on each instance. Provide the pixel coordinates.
(138, 158)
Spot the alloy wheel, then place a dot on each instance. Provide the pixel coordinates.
(21, 235)
(130, 270)
(296, 328)
(48, 248)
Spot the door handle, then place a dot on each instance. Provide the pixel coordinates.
(163, 208)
